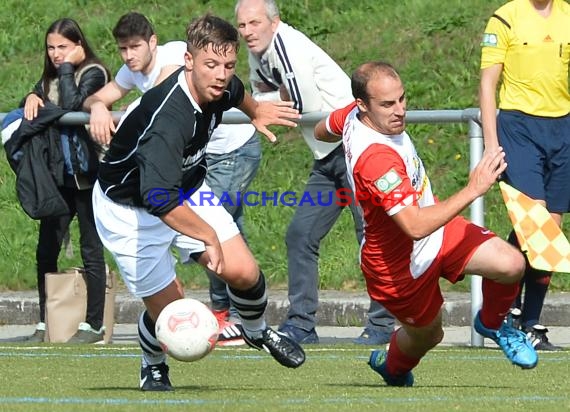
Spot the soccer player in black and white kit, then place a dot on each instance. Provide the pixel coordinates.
(148, 196)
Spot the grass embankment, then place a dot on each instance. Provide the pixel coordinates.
(434, 44)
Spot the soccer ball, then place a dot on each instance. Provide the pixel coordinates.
(187, 330)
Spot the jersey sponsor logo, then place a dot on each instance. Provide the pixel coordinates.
(489, 40)
(416, 171)
(190, 161)
(388, 182)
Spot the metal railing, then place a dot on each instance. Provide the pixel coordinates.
(470, 116)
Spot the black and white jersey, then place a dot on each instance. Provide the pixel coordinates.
(157, 155)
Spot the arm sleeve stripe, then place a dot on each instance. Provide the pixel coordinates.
(293, 86)
(501, 20)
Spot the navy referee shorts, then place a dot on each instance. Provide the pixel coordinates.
(538, 155)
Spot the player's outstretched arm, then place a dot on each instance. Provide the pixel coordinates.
(330, 128)
(486, 173)
(418, 222)
(264, 114)
(322, 133)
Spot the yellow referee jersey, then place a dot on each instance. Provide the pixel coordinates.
(535, 52)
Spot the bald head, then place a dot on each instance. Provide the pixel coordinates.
(367, 72)
(380, 97)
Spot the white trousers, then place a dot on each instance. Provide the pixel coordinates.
(141, 243)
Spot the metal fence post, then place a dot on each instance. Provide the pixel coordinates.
(477, 217)
(471, 116)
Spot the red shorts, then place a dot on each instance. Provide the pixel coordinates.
(417, 301)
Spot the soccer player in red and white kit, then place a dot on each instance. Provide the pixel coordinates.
(412, 242)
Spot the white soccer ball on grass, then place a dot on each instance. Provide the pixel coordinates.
(187, 330)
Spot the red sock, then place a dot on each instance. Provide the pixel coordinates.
(398, 363)
(497, 300)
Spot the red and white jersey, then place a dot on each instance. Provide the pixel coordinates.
(386, 171)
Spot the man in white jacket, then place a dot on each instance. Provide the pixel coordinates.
(285, 64)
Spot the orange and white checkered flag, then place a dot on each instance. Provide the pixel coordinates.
(538, 234)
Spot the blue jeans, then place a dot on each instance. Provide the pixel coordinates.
(309, 226)
(231, 173)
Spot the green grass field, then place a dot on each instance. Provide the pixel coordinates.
(435, 45)
(334, 378)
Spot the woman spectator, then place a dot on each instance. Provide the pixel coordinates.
(71, 73)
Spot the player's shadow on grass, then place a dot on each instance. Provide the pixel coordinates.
(177, 388)
(195, 389)
(417, 385)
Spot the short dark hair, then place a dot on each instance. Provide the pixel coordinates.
(212, 30)
(366, 72)
(133, 24)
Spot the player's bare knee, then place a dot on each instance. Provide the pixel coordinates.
(438, 337)
(244, 277)
(427, 342)
(434, 338)
(512, 266)
(249, 279)
(520, 268)
(425, 338)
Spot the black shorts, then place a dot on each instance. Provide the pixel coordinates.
(538, 156)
